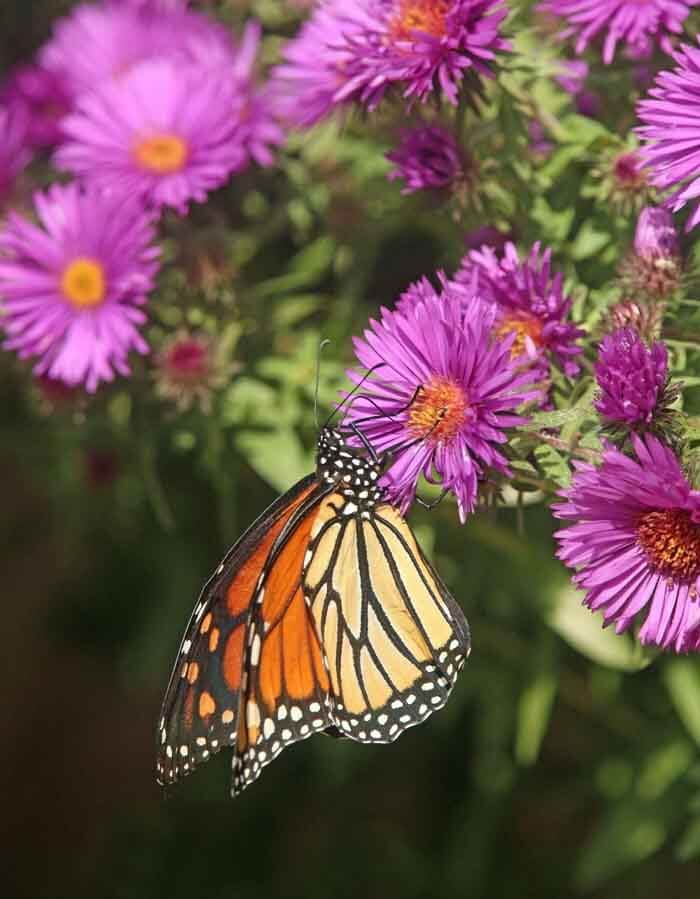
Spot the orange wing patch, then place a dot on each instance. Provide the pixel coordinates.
(287, 697)
(202, 705)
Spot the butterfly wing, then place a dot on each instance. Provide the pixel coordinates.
(394, 638)
(287, 690)
(200, 712)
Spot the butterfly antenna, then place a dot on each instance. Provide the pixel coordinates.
(321, 346)
(354, 390)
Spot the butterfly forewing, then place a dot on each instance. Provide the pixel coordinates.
(200, 712)
(286, 694)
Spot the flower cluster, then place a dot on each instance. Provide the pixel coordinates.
(149, 105)
(639, 26)
(670, 131)
(634, 542)
(356, 52)
(441, 392)
(530, 303)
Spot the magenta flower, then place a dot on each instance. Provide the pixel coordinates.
(632, 378)
(638, 25)
(15, 154)
(357, 51)
(72, 286)
(42, 98)
(162, 132)
(100, 43)
(634, 542)
(671, 131)
(655, 235)
(529, 301)
(441, 393)
(427, 157)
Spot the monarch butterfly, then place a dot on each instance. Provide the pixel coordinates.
(324, 616)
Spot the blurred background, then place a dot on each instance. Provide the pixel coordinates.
(564, 764)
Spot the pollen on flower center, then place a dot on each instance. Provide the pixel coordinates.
(439, 410)
(163, 154)
(671, 540)
(83, 283)
(526, 327)
(428, 16)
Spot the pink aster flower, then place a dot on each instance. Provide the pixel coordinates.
(42, 97)
(15, 154)
(100, 43)
(639, 25)
(72, 286)
(655, 234)
(530, 303)
(654, 270)
(671, 132)
(440, 394)
(426, 157)
(632, 378)
(357, 51)
(634, 542)
(162, 132)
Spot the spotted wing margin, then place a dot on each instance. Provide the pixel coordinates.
(394, 637)
(286, 689)
(200, 711)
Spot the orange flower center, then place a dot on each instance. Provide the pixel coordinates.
(524, 326)
(163, 154)
(671, 540)
(83, 283)
(429, 16)
(439, 410)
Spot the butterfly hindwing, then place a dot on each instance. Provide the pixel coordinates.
(393, 636)
(200, 712)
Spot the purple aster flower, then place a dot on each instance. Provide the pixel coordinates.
(573, 76)
(427, 157)
(99, 43)
(42, 97)
(440, 393)
(355, 52)
(635, 541)
(15, 154)
(656, 235)
(162, 132)
(654, 269)
(636, 24)
(529, 302)
(72, 286)
(670, 129)
(632, 378)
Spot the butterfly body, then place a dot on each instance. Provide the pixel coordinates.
(325, 616)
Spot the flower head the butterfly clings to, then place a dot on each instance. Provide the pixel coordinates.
(441, 392)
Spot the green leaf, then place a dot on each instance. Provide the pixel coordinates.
(682, 680)
(689, 844)
(534, 711)
(553, 464)
(262, 451)
(630, 832)
(588, 241)
(582, 629)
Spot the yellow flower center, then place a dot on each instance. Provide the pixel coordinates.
(524, 326)
(671, 541)
(429, 16)
(163, 154)
(439, 410)
(83, 283)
